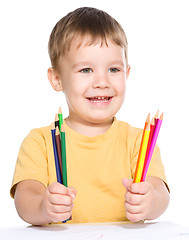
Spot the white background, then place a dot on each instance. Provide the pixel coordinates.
(158, 38)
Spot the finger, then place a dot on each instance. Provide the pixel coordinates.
(140, 188)
(59, 199)
(134, 217)
(58, 188)
(59, 217)
(127, 183)
(134, 199)
(61, 208)
(73, 192)
(134, 209)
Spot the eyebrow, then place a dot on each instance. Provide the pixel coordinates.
(121, 63)
(117, 62)
(80, 64)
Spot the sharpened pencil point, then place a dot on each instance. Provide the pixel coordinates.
(157, 114)
(152, 121)
(60, 110)
(161, 117)
(52, 126)
(148, 127)
(56, 117)
(148, 118)
(57, 131)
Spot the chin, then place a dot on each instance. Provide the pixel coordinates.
(100, 119)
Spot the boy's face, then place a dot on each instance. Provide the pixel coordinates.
(93, 79)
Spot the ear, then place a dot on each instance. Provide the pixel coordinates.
(54, 79)
(128, 71)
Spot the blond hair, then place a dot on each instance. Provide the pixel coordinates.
(84, 21)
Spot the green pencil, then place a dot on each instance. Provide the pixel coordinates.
(63, 148)
(60, 116)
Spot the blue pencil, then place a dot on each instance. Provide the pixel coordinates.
(57, 165)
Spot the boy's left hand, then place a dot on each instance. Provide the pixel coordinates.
(139, 198)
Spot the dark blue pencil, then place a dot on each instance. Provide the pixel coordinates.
(58, 172)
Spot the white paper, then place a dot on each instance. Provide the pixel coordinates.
(110, 231)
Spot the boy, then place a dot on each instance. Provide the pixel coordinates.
(88, 52)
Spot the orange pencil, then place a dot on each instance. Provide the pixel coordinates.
(144, 145)
(152, 127)
(146, 123)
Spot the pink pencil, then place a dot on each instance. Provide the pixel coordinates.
(153, 143)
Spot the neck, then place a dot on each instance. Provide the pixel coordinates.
(87, 128)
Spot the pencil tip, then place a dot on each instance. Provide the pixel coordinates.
(157, 114)
(56, 117)
(152, 121)
(148, 127)
(161, 117)
(148, 118)
(57, 131)
(60, 110)
(52, 126)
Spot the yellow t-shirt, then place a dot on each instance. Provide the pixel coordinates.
(95, 167)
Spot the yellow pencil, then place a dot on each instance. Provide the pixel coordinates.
(142, 154)
(139, 154)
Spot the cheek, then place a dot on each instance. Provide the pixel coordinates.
(74, 93)
(78, 85)
(120, 88)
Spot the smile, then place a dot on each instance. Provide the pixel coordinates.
(99, 99)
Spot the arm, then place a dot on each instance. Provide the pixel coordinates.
(39, 205)
(145, 200)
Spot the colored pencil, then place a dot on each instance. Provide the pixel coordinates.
(146, 123)
(58, 173)
(56, 120)
(60, 116)
(58, 144)
(152, 127)
(156, 117)
(63, 150)
(153, 143)
(64, 165)
(142, 154)
(60, 150)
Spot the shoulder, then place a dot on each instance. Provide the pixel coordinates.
(37, 136)
(129, 131)
(38, 133)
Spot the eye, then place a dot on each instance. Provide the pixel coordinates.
(113, 70)
(86, 70)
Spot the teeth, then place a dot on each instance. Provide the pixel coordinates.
(97, 99)
(100, 98)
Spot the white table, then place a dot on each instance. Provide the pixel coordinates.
(110, 231)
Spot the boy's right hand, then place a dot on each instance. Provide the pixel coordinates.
(57, 202)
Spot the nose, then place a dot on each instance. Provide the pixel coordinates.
(101, 80)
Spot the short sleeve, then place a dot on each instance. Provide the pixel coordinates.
(32, 160)
(156, 167)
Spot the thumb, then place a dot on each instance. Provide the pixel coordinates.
(127, 183)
